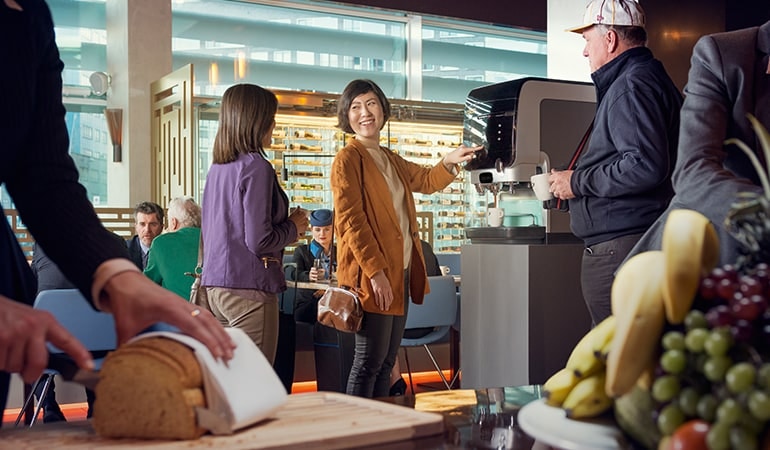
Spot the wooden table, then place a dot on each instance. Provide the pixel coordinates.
(317, 420)
(323, 285)
(315, 285)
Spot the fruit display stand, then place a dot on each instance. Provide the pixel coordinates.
(684, 360)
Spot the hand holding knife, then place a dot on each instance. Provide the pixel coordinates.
(70, 371)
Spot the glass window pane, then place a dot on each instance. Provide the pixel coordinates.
(456, 61)
(81, 36)
(91, 149)
(285, 48)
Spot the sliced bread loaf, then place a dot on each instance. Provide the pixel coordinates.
(149, 389)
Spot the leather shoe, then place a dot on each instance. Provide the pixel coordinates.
(53, 414)
(398, 388)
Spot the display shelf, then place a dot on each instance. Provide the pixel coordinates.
(426, 144)
(303, 150)
(304, 143)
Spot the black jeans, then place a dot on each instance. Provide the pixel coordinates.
(376, 351)
(600, 261)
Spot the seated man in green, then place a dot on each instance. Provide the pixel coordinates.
(175, 252)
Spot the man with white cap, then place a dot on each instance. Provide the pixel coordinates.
(621, 182)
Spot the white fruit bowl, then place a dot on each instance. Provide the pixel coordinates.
(549, 425)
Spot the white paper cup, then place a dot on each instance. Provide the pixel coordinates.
(542, 187)
(495, 216)
(444, 270)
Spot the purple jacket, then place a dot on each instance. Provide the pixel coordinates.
(245, 219)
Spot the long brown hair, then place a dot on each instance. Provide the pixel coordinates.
(246, 115)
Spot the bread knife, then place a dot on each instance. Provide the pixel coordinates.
(70, 371)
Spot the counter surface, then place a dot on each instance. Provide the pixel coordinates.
(318, 420)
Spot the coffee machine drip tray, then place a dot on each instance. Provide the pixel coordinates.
(506, 235)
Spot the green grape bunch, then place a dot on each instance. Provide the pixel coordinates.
(715, 366)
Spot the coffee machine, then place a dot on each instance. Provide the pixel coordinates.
(522, 307)
(527, 126)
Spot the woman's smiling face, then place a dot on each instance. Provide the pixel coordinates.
(366, 116)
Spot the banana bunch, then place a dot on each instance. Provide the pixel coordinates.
(654, 287)
(691, 247)
(637, 303)
(650, 289)
(578, 388)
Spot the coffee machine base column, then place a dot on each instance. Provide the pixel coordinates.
(522, 312)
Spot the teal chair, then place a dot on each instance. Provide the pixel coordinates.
(437, 312)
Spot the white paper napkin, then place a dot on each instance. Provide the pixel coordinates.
(239, 393)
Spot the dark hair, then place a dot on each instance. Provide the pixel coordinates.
(634, 36)
(353, 90)
(149, 208)
(246, 115)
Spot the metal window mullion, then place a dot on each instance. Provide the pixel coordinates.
(413, 66)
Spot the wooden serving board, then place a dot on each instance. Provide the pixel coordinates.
(318, 420)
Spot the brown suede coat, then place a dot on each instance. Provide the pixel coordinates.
(366, 229)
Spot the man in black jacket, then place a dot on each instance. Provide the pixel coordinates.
(622, 181)
(42, 179)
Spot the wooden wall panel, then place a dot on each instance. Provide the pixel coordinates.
(173, 162)
(118, 220)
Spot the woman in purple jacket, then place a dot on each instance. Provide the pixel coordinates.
(246, 220)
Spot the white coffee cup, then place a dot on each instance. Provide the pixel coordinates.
(495, 216)
(444, 270)
(541, 186)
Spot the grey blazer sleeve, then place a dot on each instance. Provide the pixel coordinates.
(719, 92)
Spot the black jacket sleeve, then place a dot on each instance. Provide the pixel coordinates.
(34, 153)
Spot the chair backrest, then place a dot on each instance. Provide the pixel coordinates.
(451, 260)
(94, 329)
(439, 308)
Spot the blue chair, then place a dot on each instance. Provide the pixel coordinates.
(451, 260)
(439, 312)
(94, 329)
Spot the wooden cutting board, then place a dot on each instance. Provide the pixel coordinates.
(318, 420)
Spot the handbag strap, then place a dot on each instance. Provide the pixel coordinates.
(577, 154)
(199, 268)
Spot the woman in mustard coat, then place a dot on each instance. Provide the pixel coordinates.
(378, 246)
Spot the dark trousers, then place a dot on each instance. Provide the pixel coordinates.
(284, 353)
(600, 261)
(376, 351)
(333, 354)
(50, 403)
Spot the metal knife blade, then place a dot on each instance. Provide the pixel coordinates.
(69, 371)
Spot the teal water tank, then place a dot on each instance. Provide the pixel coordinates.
(522, 209)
